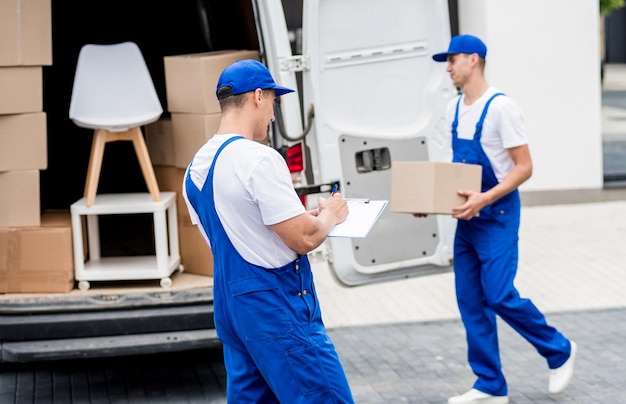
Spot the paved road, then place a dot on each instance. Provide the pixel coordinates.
(614, 138)
(390, 363)
(614, 124)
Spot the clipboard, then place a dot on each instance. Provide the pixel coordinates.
(364, 213)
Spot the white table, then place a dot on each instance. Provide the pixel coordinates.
(97, 268)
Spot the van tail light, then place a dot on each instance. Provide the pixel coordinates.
(295, 161)
(295, 158)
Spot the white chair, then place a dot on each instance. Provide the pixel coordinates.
(113, 94)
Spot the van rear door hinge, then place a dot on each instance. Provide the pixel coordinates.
(295, 63)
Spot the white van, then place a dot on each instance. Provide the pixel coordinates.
(369, 95)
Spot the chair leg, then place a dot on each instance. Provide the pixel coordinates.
(101, 137)
(144, 161)
(95, 165)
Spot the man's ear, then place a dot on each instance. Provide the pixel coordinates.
(475, 58)
(258, 95)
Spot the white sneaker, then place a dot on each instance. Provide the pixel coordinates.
(561, 376)
(478, 397)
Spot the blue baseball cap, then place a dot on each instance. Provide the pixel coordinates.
(462, 44)
(247, 75)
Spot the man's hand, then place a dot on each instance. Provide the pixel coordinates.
(336, 205)
(305, 232)
(472, 206)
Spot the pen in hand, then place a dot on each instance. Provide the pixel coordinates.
(334, 189)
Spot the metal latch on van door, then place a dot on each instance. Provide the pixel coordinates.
(373, 160)
(295, 63)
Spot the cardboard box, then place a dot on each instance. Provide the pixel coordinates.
(22, 89)
(160, 142)
(37, 259)
(170, 179)
(19, 198)
(195, 254)
(26, 32)
(191, 80)
(431, 187)
(23, 142)
(191, 131)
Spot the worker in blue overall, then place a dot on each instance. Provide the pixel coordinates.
(240, 194)
(487, 128)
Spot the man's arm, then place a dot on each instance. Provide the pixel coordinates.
(477, 200)
(307, 231)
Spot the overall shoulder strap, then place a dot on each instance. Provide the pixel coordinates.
(479, 124)
(455, 122)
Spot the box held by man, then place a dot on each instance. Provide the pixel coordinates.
(431, 187)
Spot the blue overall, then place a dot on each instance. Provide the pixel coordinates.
(275, 345)
(485, 265)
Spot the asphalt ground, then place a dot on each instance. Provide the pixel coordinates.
(418, 362)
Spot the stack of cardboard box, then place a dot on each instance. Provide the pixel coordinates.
(35, 250)
(172, 142)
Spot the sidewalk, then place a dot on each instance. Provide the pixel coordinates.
(614, 77)
(572, 257)
(614, 103)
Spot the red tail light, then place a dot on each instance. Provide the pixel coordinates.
(295, 158)
(295, 162)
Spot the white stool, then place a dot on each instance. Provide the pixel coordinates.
(97, 268)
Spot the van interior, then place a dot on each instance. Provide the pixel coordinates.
(159, 29)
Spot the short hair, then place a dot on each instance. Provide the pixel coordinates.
(231, 101)
(482, 62)
(237, 100)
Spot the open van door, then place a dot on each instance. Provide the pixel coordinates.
(378, 98)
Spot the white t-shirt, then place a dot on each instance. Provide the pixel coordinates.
(503, 127)
(252, 190)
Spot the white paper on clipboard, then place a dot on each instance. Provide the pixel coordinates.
(363, 215)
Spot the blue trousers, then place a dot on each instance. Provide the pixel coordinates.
(282, 352)
(485, 265)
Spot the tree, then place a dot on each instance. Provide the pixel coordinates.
(607, 6)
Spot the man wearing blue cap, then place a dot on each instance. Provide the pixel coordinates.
(487, 128)
(266, 311)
